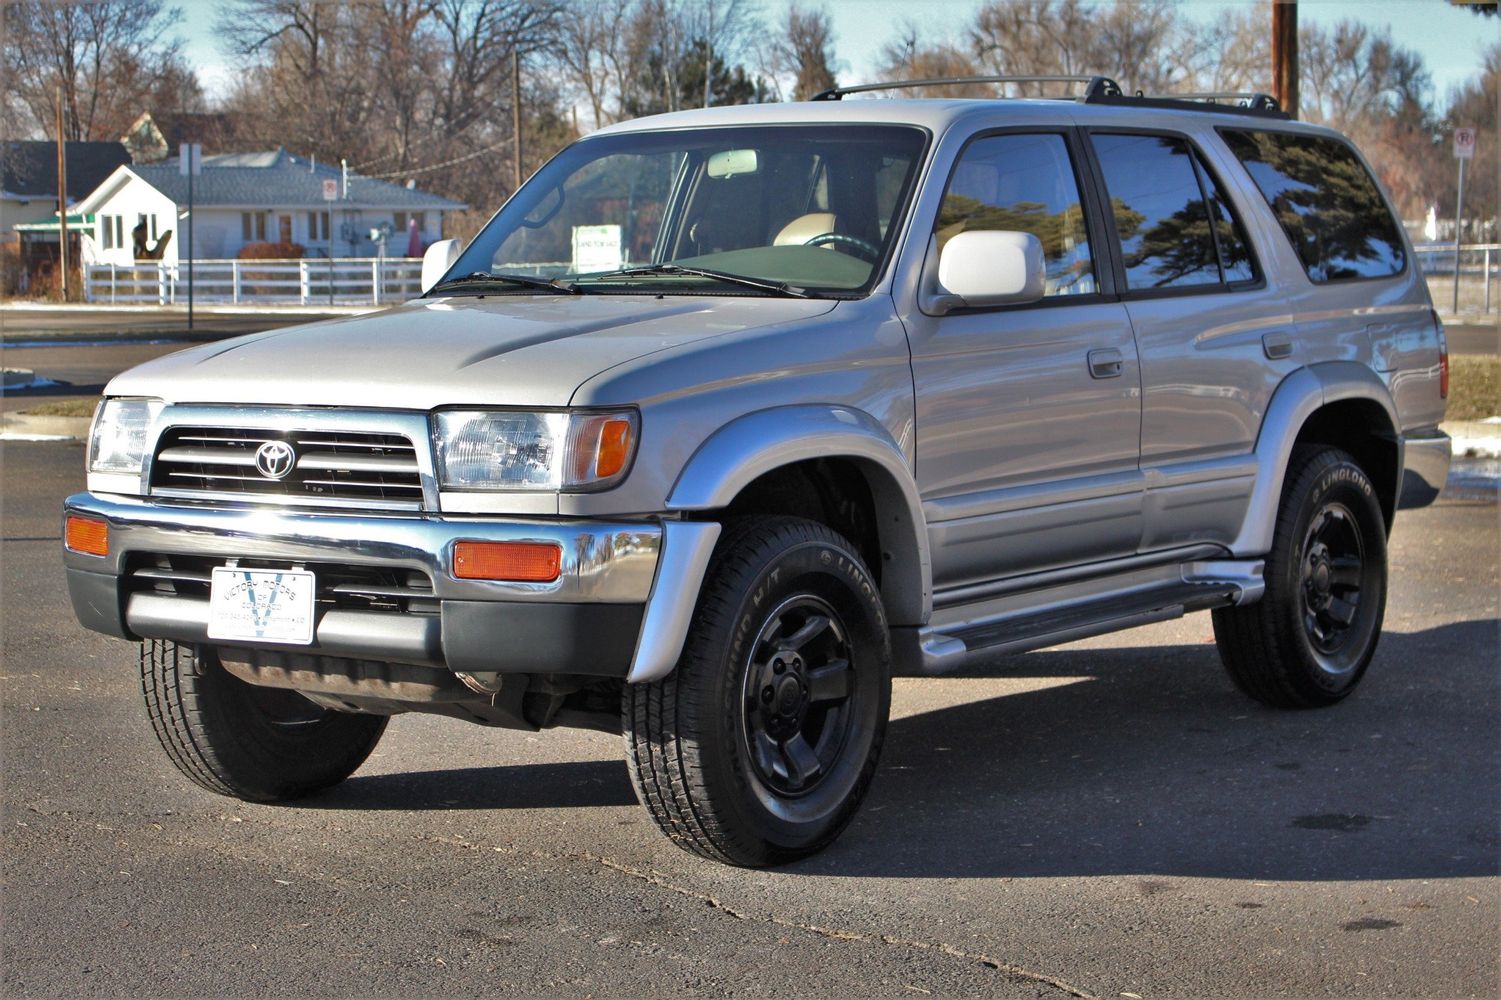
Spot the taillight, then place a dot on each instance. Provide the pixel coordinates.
(1443, 357)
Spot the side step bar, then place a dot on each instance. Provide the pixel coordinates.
(941, 649)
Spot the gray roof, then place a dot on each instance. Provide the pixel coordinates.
(280, 180)
(29, 169)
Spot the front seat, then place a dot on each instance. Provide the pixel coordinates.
(803, 228)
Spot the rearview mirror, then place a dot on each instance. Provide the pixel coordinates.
(729, 163)
(437, 260)
(992, 268)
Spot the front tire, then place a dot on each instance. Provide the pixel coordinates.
(247, 742)
(758, 748)
(1309, 640)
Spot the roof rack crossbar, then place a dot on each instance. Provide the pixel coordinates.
(1092, 84)
(1227, 102)
(1244, 98)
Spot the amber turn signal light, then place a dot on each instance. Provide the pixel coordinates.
(614, 448)
(513, 562)
(86, 535)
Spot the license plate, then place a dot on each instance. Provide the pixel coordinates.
(261, 605)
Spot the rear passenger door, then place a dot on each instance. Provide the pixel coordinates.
(1214, 338)
(1027, 416)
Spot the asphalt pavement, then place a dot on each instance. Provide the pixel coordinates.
(1106, 819)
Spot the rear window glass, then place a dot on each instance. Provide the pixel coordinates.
(1326, 202)
(1176, 228)
(1159, 209)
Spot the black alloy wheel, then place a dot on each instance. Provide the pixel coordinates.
(798, 685)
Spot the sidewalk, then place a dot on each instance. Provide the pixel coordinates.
(44, 321)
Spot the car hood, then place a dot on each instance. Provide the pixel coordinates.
(461, 351)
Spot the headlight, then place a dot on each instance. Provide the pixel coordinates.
(499, 450)
(117, 442)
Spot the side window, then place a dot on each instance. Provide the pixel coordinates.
(1160, 211)
(1235, 249)
(1325, 201)
(1022, 183)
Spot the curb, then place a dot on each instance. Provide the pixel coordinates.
(26, 426)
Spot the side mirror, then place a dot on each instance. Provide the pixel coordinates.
(990, 268)
(437, 260)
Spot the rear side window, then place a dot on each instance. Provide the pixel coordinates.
(1326, 202)
(1176, 229)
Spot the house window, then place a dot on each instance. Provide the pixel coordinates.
(253, 227)
(317, 227)
(402, 218)
(106, 233)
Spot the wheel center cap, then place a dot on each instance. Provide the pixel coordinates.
(789, 696)
(1321, 578)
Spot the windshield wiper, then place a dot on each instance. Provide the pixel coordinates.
(554, 285)
(764, 284)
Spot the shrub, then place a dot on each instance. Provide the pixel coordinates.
(271, 251)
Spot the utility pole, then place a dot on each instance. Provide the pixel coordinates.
(1285, 54)
(62, 195)
(516, 113)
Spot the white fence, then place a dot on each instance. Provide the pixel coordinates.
(1476, 264)
(311, 282)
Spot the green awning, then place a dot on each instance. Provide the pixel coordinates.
(76, 220)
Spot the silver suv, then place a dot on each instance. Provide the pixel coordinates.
(727, 416)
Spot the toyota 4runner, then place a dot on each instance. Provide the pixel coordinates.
(729, 415)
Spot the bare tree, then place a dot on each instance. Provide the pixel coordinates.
(109, 57)
(804, 52)
(592, 50)
(909, 57)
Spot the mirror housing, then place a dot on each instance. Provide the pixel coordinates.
(729, 163)
(990, 268)
(437, 260)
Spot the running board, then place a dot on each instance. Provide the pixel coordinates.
(941, 649)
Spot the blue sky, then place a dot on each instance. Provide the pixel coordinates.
(1452, 42)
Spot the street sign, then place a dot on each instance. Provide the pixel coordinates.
(190, 159)
(330, 190)
(1464, 144)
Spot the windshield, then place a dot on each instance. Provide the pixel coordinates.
(794, 209)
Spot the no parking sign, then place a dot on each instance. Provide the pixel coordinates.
(1464, 144)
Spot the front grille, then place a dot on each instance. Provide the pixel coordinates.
(341, 587)
(331, 466)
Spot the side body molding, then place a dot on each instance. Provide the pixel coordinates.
(1294, 401)
(750, 446)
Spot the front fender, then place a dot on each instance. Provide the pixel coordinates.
(750, 446)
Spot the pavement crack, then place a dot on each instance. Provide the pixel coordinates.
(835, 934)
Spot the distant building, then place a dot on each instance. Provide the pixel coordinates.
(153, 138)
(241, 198)
(28, 184)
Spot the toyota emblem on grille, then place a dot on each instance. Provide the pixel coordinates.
(275, 459)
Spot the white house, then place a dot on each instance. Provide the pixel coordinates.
(140, 210)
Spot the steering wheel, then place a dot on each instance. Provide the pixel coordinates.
(863, 248)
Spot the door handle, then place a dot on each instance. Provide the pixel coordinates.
(1106, 363)
(1277, 345)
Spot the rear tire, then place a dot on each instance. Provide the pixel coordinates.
(248, 742)
(1308, 641)
(758, 748)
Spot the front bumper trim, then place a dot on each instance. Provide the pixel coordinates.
(589, 621)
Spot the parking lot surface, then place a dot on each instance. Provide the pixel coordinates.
(1110, 818)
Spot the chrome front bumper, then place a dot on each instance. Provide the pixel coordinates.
(617, 608)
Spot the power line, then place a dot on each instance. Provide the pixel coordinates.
(439, 166)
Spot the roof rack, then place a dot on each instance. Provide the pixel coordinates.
(1093, 84)
(1235, 103)
(1097, 90)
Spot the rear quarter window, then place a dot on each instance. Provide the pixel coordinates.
(1326, 202)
